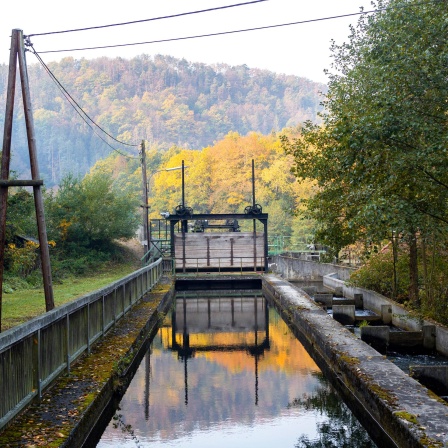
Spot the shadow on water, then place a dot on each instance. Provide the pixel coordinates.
(227, 371)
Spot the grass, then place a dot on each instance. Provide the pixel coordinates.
(21, 306)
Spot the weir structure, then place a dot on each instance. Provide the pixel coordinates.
(201, 251)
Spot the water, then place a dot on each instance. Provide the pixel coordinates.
(228, 372)
(405, 360)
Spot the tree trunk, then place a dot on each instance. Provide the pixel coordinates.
(395, 259)
(413, 271)
(426, 287)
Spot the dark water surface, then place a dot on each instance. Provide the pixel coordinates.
(227, 372)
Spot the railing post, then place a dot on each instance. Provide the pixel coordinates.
(88, 327)
(67, 326)
(103, 314)
(39, 366)
(114, 299)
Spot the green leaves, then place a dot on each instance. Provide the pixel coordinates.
(380, 157)
(92, 212)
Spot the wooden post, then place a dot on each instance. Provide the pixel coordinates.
(146, 233)
(18, 53)
(6, 155)
(38, 199)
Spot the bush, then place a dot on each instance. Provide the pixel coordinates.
(378, 274)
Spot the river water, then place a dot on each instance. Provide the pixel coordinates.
(227, 372)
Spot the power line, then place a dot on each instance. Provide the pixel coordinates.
(147, 20)
(80, 111)
(301, 22)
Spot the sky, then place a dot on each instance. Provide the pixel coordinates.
(301, 50)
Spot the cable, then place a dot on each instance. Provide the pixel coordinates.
(67, 95)
(78, 109)
(234, 31)
(147, 20)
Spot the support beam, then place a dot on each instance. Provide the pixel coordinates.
(21, 183)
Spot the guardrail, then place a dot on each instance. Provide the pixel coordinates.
(33, 354)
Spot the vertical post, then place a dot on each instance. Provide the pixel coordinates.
(6, 152)
(145, 197)
(38, 199)
(39, 364)
(254, 221)
(184, 222)
(67, 329)
(88, 328)
(266, 248)
(253, 183)
(183, 185)
(115, 305)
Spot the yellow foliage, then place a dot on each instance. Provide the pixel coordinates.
(64, 226)
(218, 179)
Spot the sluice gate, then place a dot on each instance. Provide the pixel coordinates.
(211, 242)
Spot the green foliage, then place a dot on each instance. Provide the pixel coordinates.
(377, 274)
(90, 213)
(21, 218)
(380, 160)
(22, 260)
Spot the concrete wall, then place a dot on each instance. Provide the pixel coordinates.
(296, 269)
(400, 316)
(379, 392)
(334, 278)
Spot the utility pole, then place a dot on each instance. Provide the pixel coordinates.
(17, 52)
(145, 198)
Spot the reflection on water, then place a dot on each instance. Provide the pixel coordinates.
(226, 371)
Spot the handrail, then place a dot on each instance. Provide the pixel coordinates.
(33, 354)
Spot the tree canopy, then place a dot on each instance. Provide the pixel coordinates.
(91, 212)
(380, 158)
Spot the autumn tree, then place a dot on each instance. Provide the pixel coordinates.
(380, 160)
(219, 180)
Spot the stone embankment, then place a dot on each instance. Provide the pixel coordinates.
(397, 410)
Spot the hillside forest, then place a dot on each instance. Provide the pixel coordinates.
(160, 99)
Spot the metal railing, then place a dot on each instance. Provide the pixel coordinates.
(278, 244)
(33, 354)
(219, 265)
(159, 248)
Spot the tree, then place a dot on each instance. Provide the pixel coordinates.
(91, 213)
(380, 159)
